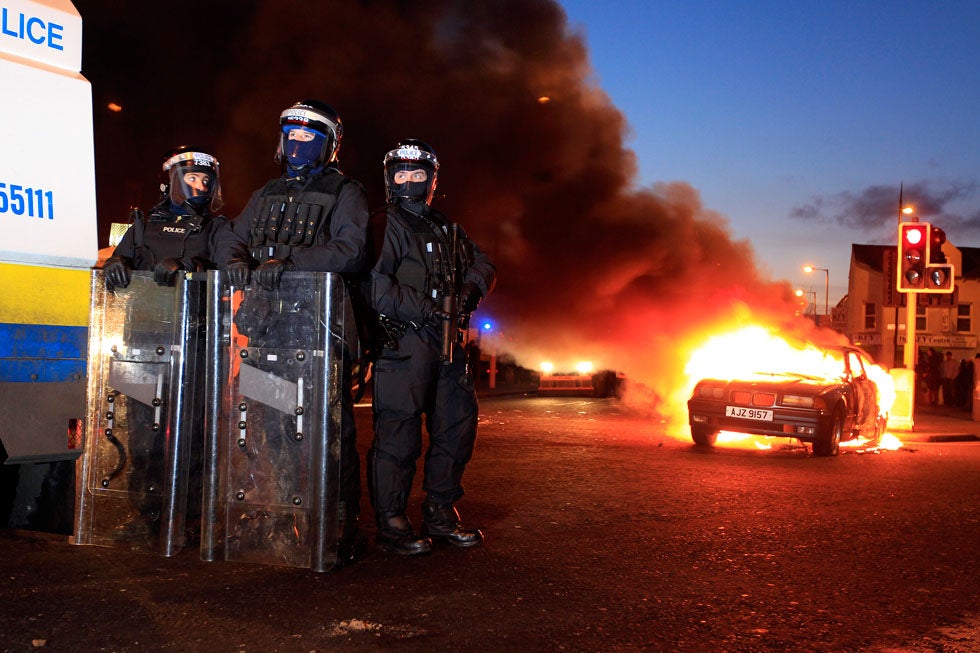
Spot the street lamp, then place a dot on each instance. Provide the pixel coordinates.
(826, 297)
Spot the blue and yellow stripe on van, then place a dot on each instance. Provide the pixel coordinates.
(43, 323)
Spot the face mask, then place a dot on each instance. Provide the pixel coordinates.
(407, 189)
(300, 153)
(199, 203)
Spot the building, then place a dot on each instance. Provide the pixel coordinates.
(873, 313)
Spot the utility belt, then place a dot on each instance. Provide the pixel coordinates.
(263, 253)
(392, 330)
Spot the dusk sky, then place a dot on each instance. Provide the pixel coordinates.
(798, 121)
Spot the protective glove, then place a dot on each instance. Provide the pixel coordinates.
(237, 271)
(165, 271)
(269, 273)
(116, 271)
(432, 314)
(469, 297)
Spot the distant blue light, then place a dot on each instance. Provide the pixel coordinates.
(486, 326)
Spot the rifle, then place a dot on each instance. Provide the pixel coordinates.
(450, 299)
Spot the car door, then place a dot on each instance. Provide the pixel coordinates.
(866, 410)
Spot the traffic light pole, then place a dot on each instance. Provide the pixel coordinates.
(903, 413)
(910, 311)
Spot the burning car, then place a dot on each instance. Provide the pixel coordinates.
(824, 397)
(579, 379)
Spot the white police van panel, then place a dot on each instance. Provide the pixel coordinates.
(49, 230)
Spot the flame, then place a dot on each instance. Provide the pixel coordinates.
(889, 442)
(753, 349)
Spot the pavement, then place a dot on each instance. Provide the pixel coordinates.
(940, 424)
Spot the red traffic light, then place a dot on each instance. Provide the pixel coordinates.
(914, 235)
(922, 265)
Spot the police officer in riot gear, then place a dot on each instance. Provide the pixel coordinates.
(312, 218)
(181, 232)
(416, 375)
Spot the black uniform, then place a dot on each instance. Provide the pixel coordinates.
(318, 224)
(314, 224)
(169, 231)
(409, 379)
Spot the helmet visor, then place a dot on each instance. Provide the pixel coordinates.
(194, 180)
(410, 180)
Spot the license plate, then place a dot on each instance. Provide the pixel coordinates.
(748, 413)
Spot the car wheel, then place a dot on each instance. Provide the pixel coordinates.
(880, 423)
(703, 437)
(828, 440)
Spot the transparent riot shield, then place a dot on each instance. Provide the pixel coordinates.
(273, 453)
(139, 478)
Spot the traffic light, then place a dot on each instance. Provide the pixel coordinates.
(939, 273)
(939, 278)
(936, 239)
(922, 264)
(913, 243)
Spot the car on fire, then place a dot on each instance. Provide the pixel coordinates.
(837, 402)
(579, 379)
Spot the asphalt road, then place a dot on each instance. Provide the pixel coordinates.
(603, 534)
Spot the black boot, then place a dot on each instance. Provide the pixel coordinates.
(349, 545)
(396, 535)
(441, 521)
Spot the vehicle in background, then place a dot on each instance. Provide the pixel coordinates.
(49, 246)
(579, 379)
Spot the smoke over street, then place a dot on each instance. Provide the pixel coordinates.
(533, 158)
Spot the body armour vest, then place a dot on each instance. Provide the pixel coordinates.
(430, 270)
(166, 235)
(294, 218)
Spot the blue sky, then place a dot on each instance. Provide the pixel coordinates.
(799, 120)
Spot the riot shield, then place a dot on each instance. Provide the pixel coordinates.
(274, 419)
(140, 474)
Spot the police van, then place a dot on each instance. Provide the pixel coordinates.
(49, 244)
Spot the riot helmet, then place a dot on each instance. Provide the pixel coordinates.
(411, 172)
(310, 135)
(191, 179)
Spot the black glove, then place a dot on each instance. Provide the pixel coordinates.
(237, 271)
(116, 271)
(165, 271)
(469, 297)
(432, 314)
(268, 274)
